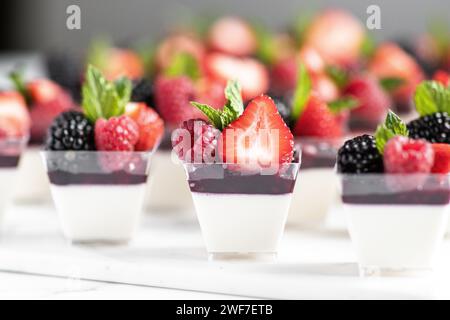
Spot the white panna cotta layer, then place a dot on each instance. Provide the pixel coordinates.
(32, 181)
(93, 213)
(7, 178)
(314, 194)
(241, 223)
(396, 237)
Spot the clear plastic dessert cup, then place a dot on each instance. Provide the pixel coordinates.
(167, 191)
(98, 195)
(10, 152)
(315, 191)
(32, 183)
(242, 214)
(396, 222)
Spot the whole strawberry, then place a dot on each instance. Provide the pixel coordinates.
(45, 100)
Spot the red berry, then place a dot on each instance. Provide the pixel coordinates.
(337, 36)
(317, 120)
(173, 97)
(404, 155)
(14, 117)
(259, 136)
(196, 141)
(441, 158)
(249, 72)
(232, 35)
(373, 102)
(116, 134)
(151, 126)
(48, 100)
(390, 61)
(442, 77)
(284, 76)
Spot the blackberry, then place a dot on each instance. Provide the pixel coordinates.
(70, 131)
(283, 109)
(434, 128)
(143, 92)
(360, 155)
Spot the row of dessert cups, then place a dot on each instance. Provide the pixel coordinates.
(394, 227)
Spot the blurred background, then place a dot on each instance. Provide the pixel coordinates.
(41, 25)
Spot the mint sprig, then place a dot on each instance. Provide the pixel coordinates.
(341, 104)
(103, 98)
(232, 110)
(19, 83)
(302, 92)
(431, 97)
(339, 76)
(392, 126)
(183, 64)
(390, 84)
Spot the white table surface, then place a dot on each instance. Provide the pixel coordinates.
(167, 260)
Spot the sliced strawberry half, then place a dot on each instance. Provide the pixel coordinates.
(232, 35)
(251, 74)
(259, 137)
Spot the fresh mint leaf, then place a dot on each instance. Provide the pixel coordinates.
(302, 92)
(234, 97)
(267, 49)
(431, 97)
(389, 84)
(232, 110)
(183, 64)
(392, 126)
(19, 83)
(344, 103)
(368, 46)
(338, 75)
(102, 98)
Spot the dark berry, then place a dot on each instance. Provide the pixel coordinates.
(143, 92)
(360, 155)
(202, 144)
(284, 109)
(434, 128)
(70, 131)
(65, 69)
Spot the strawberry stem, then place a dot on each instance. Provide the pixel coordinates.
(19, 83)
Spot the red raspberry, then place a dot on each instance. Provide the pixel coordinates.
(404, 155)
(202, 143)
(116, 134)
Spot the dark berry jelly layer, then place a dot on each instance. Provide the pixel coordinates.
(232, 183)
(9, 161)
(383, 195)
(63, 178)
(314, 161)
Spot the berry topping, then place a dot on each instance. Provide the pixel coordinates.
(143, 92)
(116, 134)
(250, 73)
(200, 144)
(232, 35)
(283, 76)
(441, 158)
(71, 130)
(258, 136)
(434, 128)
(404, 155)
(14, 117)
(442, 77)
(151, 126)
(360, 155)
(337, 36)
(317, 120)
(45, 100)
(373, 102)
